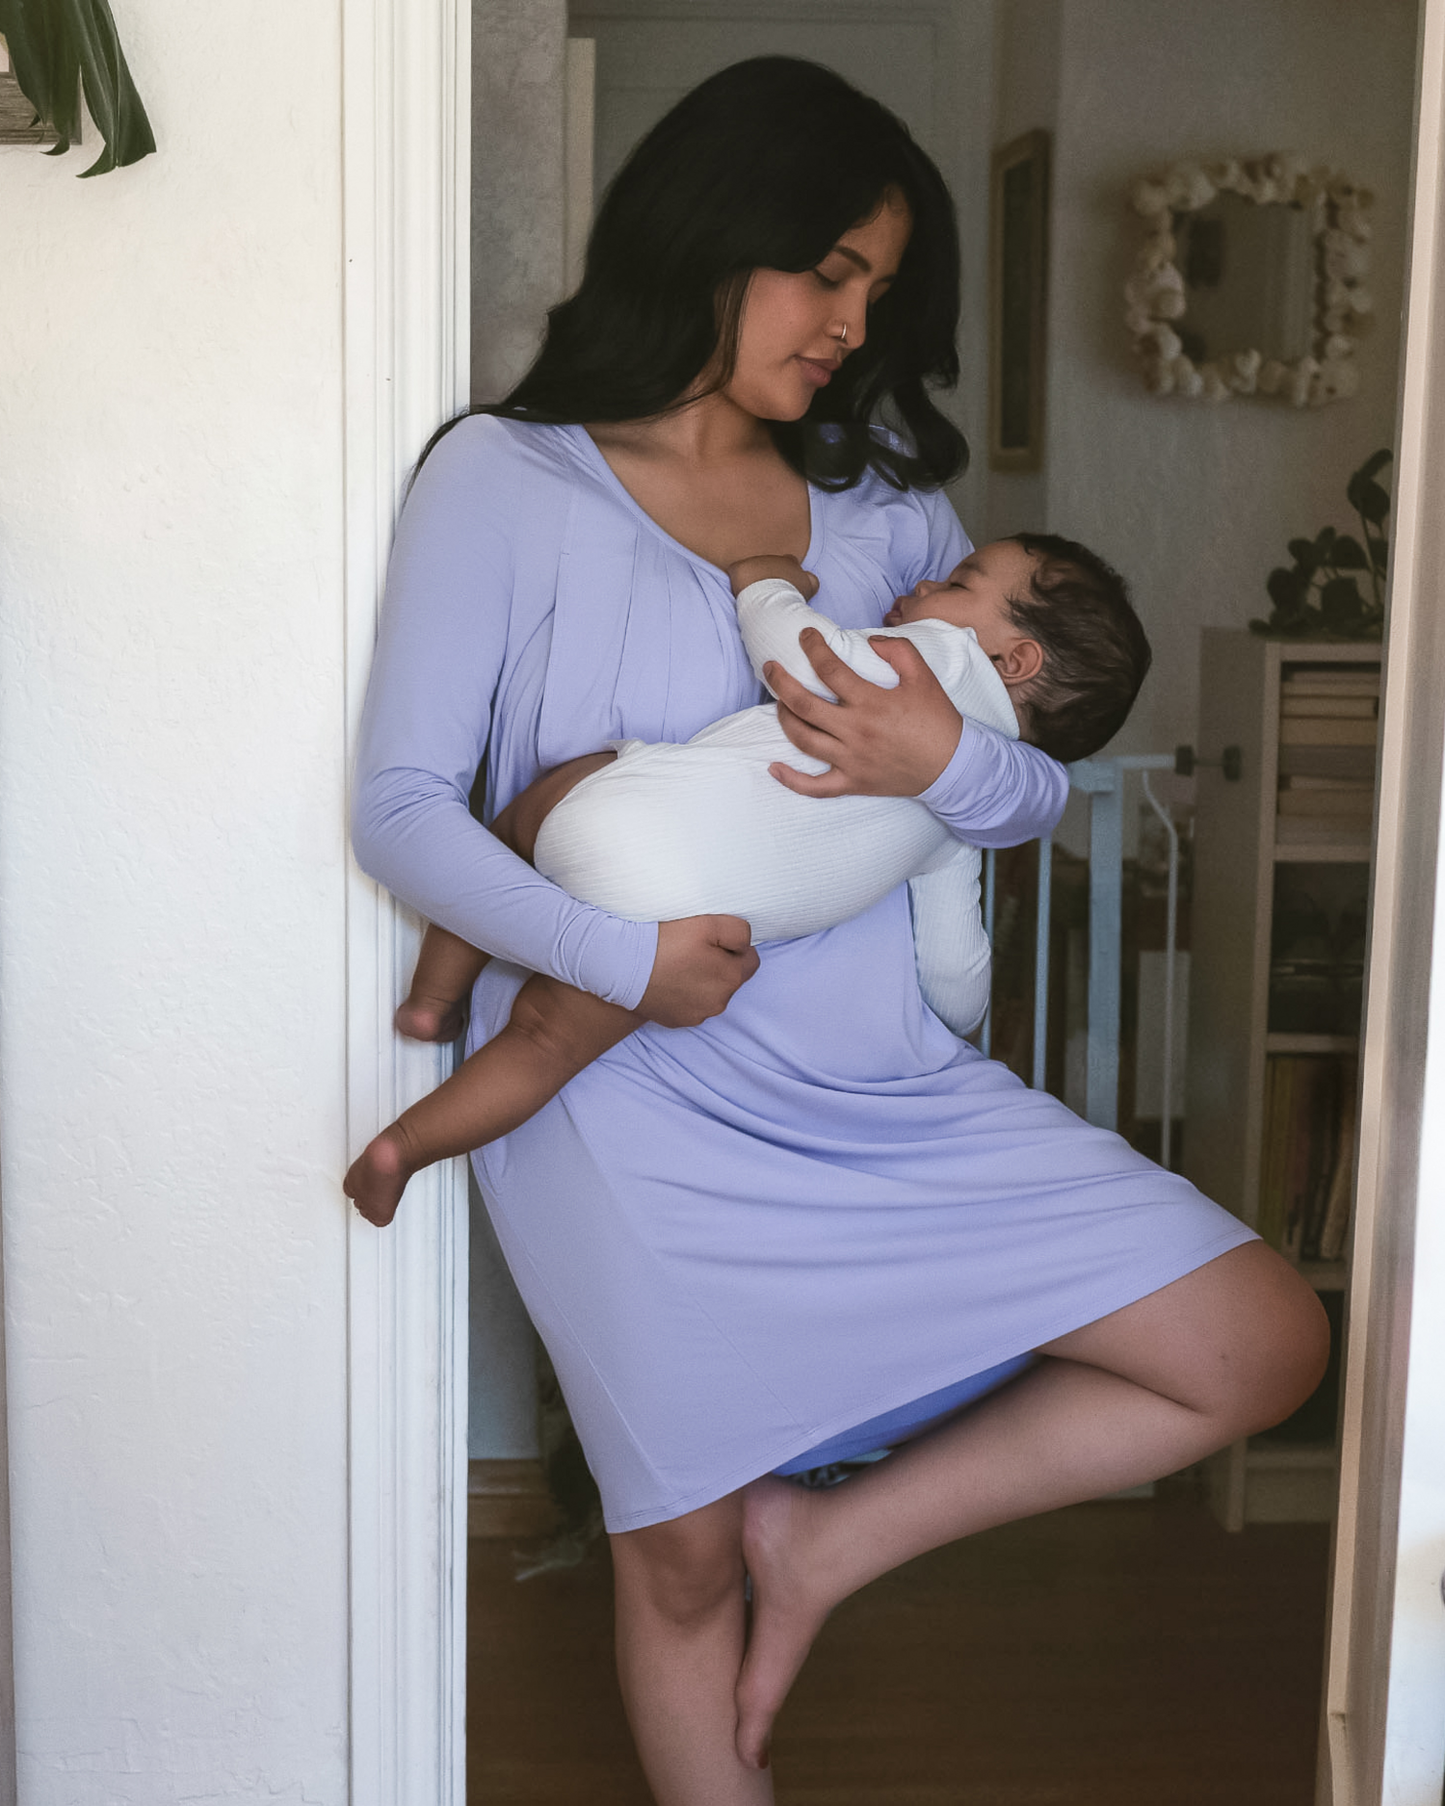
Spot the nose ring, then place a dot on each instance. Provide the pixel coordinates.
(843, 336)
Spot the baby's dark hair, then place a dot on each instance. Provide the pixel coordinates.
(1096, 654)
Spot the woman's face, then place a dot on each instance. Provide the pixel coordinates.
(797, 327)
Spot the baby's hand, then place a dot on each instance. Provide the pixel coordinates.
(755, 570)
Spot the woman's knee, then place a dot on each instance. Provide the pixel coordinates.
(684, 1571)
(1296, 1348)
(1279, 1342)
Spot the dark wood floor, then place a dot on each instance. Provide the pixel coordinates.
(1121, 1654)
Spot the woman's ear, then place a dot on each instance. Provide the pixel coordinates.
(1020, 661)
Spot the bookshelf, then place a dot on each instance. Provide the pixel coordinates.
(1281, 877)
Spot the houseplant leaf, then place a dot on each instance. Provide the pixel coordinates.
(1342, 606)
(56, 46)
(1349, 555)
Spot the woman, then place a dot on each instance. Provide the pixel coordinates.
(792, 1201)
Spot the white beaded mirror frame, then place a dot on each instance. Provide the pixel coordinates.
(1157, 294)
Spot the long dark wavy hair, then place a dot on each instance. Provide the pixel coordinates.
(763, 166)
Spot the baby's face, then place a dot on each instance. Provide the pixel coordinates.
(974, 594)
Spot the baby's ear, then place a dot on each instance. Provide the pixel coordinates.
(1020, 661)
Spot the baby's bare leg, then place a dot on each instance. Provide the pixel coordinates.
(435, 1008)
(554, 1031)
(447, 966)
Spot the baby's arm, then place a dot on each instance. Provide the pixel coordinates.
(950, 947)
(772, 612)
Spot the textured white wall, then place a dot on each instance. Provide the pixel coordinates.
(1195, 503)
(171, 914)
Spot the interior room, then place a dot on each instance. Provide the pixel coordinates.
(1185, 235)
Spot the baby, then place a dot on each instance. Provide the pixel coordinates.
(1030, 636)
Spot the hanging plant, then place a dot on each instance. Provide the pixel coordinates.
(56, 46)
(1319, 596)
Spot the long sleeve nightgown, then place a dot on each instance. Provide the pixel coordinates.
(741, 1240)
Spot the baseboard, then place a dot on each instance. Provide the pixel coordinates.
(509, 1498)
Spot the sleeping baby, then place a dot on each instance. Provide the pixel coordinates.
(1032, 636)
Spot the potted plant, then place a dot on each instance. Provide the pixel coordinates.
(1318, 596)
(56, 46)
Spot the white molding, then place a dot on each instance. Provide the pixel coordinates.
(1384, 1736)
(406, 86)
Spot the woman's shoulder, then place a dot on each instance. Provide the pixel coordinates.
(500, 454)
(912, 533)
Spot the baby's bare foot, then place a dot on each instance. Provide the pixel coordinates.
(789, 1605)
(377, 1178)
(422, 1018)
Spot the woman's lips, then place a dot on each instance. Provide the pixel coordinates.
(819, 374)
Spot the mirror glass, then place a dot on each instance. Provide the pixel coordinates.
(1249, 279)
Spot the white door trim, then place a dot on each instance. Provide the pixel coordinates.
(1385, 1731)
(406, 106)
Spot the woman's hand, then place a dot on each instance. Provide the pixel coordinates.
(700, 962)
(878, 742)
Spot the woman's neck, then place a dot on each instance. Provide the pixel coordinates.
(711, 477)
(710, 431)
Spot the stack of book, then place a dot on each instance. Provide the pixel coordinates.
(1329, 722)
(1307, 1173)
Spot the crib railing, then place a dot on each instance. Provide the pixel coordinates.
(1106, 784)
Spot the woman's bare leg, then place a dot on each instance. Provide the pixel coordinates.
(680, 1633)
(1226, 1351)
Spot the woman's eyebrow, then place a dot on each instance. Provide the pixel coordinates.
(854, 257)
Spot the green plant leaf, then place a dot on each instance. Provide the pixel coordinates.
(1342, 607)
(58, 46)
(1349, 555)
(1369, 500)
(1287, 589)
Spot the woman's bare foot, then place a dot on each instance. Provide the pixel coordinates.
(377, 1177)
(430, 1018)
(790, 1604)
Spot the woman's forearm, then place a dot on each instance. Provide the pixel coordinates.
(997, 792)
(413, 834)
(424, 730)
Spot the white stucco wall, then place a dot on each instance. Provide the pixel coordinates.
(171, 907)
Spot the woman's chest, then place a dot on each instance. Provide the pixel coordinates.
(617, 633)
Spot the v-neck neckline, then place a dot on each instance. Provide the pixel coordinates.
(592, 453)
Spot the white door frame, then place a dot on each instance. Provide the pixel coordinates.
(1385, 1692)
(406, 104)
(407, 162)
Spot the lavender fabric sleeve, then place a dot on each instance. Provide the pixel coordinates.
(996, 792)
(428, 713)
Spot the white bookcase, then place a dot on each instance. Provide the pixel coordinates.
(1242, 844)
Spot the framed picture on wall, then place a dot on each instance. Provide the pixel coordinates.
(1018, 291)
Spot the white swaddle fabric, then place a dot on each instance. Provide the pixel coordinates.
(703, 829)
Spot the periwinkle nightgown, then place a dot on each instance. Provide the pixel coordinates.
(741, 1240)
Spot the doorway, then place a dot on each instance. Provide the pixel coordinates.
(1051, 64)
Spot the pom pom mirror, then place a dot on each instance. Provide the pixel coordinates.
(1250, 280)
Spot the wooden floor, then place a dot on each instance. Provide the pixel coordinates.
(1121, 1654)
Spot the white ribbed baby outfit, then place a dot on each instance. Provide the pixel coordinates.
(702, 828)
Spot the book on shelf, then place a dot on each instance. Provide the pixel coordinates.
(1353, 762)
(1303, 780)
(1329, 805)
(1332, 834)
(1331, 683)
(1327, 708)
(1335, 1226)
(1307, 1169)
(1324, 730)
